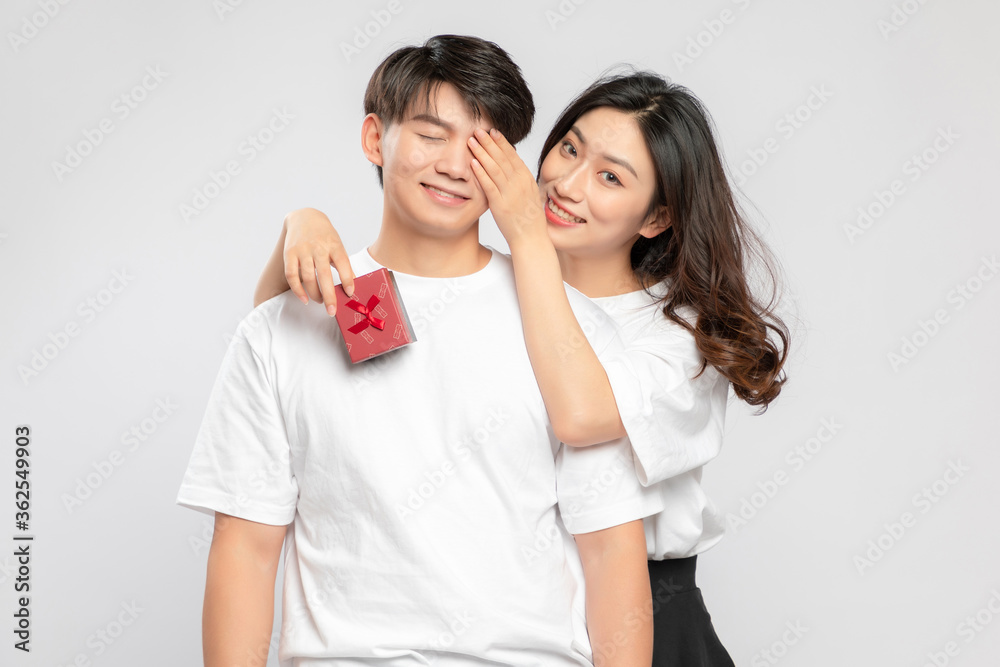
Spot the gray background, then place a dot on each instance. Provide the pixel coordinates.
(791, 560)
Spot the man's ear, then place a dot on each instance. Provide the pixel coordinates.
(371, 138)
(656, 223)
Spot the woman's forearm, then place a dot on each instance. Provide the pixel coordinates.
(574, 386)
(619, 599)
(272, 280)
(577, 394)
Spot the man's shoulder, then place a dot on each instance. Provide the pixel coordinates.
(281, 313)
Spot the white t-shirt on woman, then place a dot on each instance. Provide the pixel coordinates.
(674, 421)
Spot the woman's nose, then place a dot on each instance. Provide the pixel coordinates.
(570, 184)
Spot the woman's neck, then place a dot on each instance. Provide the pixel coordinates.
(606, 275)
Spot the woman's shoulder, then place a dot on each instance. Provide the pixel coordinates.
(643, 309)
(644, 325)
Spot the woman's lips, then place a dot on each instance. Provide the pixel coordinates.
(556, 219)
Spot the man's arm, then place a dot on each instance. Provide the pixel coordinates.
(619, 600)
(239, 592)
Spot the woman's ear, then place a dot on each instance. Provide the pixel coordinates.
(656, 223)
(371, 139)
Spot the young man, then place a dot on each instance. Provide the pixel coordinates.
(415, 493)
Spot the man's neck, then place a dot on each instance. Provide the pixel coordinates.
(404, 249)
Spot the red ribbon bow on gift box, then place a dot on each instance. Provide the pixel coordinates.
(354, 304)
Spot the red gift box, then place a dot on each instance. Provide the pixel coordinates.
(374, 320)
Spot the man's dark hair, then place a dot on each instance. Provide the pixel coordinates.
(483, 73)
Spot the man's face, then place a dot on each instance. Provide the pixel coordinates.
(427, 166)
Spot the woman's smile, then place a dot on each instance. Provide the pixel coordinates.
(558, 215)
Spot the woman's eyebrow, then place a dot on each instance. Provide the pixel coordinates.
(610, 158)
(434, 120)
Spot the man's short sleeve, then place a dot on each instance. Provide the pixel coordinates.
(241, 463)
(597, 487)
(675, 421)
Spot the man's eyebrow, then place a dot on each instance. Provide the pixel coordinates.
(433, 120)
(610, 158)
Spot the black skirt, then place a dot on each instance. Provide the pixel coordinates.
(683, 635)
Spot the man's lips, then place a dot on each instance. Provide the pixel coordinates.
(444, 195)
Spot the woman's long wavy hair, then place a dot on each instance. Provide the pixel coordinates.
(706, 251)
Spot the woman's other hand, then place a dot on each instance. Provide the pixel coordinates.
(311, 246)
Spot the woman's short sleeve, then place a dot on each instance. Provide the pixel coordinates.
(597, 487)
(674, 420)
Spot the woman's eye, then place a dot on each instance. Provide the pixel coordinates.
(569, 148)
(611, 178)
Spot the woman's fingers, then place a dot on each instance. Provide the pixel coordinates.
(486, 162)
(510, 153)
(329, 293)
(338, 256)
(485, 181)
(307, 282)
(307, 270)
(292, 277)
(495, 150)
(505, 146)
(312, 246)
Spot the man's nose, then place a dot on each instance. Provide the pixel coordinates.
(455, 161)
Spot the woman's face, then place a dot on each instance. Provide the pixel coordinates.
(597, 183)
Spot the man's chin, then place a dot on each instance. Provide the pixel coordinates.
(441, 227)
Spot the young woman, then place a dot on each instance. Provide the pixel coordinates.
(632, 208)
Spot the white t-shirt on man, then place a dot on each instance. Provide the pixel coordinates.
(419, 487)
